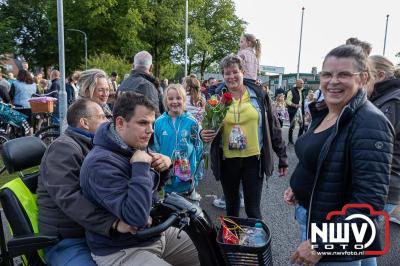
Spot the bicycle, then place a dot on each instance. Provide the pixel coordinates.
(45, 129)
(13, 121)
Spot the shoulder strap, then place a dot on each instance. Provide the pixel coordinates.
(394, 95)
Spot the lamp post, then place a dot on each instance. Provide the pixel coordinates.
(62, 94)
(186, 34)
(301, 36)
(384, 42)
(84, 34)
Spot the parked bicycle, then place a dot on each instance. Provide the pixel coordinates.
(14, 120)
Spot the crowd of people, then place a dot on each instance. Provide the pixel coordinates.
(127, 145)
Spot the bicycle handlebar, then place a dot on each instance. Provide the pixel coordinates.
(158, 229)
(45, 94)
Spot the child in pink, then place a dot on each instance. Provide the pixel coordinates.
(250, 52)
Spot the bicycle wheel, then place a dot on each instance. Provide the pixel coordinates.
(48, 134)
(3, 139)
(52, 128)
(49, 137)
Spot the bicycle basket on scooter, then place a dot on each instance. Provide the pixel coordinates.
(236, 254)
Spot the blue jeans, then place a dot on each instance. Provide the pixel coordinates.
(69, 251)
(389, 208)
(301, 218)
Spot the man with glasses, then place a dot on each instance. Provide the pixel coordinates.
(295, 105)
(63, 210)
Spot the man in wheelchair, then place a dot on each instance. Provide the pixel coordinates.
(63, 210)
(122, 176)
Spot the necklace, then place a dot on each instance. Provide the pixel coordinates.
(327, 118)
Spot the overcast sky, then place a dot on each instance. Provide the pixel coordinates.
(327, 24)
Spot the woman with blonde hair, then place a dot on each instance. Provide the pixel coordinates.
(384, 93)
(250, 52)
(195, 102)
(93, 84)
(176, 134)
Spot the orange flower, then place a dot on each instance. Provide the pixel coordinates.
(213, 102)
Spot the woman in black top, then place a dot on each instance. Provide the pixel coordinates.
(344, 158)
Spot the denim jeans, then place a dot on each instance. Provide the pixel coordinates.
(69, 251)
(301, 218)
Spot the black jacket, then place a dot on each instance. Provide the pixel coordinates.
(63, 210)
(272, 138)
(386, 97)
(4, 96)
(143, 83)
(353, 165)
(296, 97)
(70, 93)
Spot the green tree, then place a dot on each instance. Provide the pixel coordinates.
(214, 32)
(6, 39)
(109, 63)
(29, 24)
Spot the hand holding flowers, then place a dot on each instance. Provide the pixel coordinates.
(215, 112)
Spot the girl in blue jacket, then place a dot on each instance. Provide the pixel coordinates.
(176, 134)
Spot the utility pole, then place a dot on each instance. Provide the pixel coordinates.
(384, 42)
(301, 36)
(62, 94)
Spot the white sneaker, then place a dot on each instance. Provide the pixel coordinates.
(219, 203)
(195, 196)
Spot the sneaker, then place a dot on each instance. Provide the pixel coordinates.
(195, 196)
(395, 216)
(219, 203)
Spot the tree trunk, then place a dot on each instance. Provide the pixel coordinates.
(202, 65)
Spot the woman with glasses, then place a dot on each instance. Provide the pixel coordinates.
(93, 84)
(344, 158)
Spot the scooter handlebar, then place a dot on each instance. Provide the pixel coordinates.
(158, 229)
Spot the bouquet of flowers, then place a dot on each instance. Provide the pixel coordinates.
(215, 111)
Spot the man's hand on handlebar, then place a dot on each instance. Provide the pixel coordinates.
(124, 228)
(160, 162)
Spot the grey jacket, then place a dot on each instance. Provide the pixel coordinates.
(63, 210)
(143, 83)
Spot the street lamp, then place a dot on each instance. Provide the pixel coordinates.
(384, 42)
(84, 34)
(186, 35)
(301, 36)
(62, 94)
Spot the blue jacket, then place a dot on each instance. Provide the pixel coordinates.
(167, 138)
(110, 181)
(22, 93)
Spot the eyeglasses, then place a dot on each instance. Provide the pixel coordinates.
(100, 116)
(103, 90)
(343, 76)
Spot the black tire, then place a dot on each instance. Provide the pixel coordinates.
(52, 128)
(3, 139)
(49, 137)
